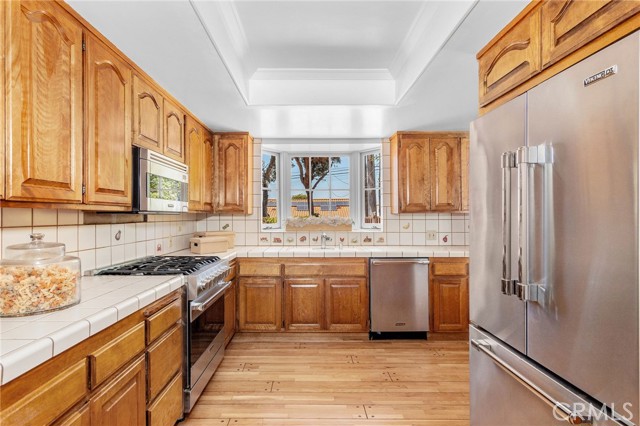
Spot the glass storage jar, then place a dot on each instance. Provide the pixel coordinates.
(37, 277)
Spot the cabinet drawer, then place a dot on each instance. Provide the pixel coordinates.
(162, 320)
(49, 400)
(355, 269)
(164, 359)
(80, 417)
(449, 268)
(511, 60)
(167, 409)
(106, 360)
(271, 269)
(568, 25)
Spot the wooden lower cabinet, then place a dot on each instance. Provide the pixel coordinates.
(449, 288)
(304, 304)
(303, 295)
(123, 400)
(260, 303)
(79, 417)
(167, 408)
(230, 298)
(347, 304)
(111, 378)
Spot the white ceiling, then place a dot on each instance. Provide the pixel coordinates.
(310, 68)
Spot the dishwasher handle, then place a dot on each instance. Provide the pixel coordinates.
(400, 261)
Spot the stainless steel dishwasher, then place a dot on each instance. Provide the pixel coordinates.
(399, 294)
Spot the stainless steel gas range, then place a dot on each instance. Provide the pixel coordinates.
(204, 312)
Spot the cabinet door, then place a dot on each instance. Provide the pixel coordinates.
(450, 303)
(568, 25)
(174, 128)
(512, 60)
(347, 304)
(44, 74)
(147, 115)
(230, 312)
(167, 408)
(444, 158)
(79, 417)
(207, 172)
(195, 150)
(413, 174)
(233, 165)
(260, 304)
(464, 173)
(108, 126)
(121, 401)
(304, 304)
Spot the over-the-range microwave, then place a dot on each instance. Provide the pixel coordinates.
(160, 183)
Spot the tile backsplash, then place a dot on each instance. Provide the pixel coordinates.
(104, 245)
(98, 246)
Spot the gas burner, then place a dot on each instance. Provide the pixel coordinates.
(162, 265)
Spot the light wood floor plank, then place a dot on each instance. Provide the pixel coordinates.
(305, 379)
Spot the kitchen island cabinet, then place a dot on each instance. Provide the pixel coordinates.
(449, 290)
(426, 172)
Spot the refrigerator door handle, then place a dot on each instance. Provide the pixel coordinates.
(559, 408)
(527, 158)
(508, 163)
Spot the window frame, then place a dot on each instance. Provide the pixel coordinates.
(356, 186)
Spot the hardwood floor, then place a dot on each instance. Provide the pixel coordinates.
(305, 379)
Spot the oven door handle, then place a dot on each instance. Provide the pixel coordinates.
(200, 307)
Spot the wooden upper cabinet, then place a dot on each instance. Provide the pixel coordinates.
(195, 151)
(444, 158)
(148, 116)
(464, 173)
(426, 172)
(412, 172)
(233, 165)
(510, 60)
(207, 172)
(174, 131)
(568, 25)
(108, 126)
(304, 304)
(44, 73)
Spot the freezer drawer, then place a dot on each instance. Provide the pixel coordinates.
(399, 294)
(507, 389)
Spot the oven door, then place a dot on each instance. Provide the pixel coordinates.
(205, 343)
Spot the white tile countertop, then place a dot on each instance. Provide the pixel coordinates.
(347, 251)
(28, 341)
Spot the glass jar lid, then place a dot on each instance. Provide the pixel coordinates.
(37, 251)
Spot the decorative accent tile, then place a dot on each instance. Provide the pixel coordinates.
(302, 238)
(290, 239)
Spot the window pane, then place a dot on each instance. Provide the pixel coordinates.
(372, 206)
(320, 168)
(321, 203)
(340, 204)
(372, 171)
(270, 208)
(340, 173)
(269, 171)
(299, 173)
(299, 204)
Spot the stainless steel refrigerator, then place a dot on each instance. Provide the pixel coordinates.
(554, 249)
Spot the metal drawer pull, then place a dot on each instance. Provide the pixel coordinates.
(570, 416)
(414, 262)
